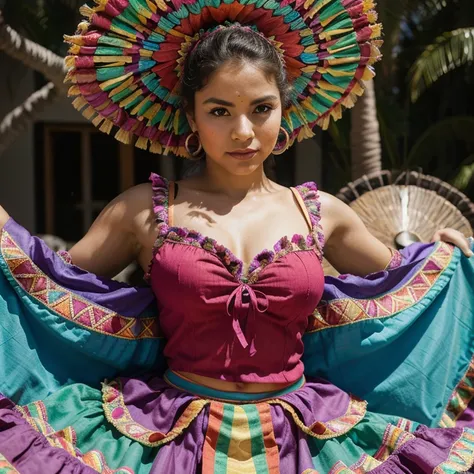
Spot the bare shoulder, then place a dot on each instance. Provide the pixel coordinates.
(335, 214)
(130, 203)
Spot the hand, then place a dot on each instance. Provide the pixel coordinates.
(454, 237)
(3, 217)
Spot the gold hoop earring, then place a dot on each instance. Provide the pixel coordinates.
(279, 150)
(196, 154)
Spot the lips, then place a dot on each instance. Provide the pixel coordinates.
(246, 154)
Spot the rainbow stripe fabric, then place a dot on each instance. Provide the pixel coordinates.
(126, 60)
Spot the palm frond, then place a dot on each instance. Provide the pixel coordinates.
(465, 174)
(451, 50)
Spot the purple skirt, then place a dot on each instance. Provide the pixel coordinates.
(147, 425)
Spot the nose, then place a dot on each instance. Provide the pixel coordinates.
(243, 129)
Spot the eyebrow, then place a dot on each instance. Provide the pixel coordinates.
(215, 100)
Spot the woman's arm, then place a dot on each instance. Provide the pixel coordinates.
(116, 237)
(3, 217)
(351, 248)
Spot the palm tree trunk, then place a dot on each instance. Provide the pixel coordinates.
(32, 55)
(366, 148)
(18, 119)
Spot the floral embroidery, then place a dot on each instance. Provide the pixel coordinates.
(36, 415)
(67, 304)
(348, 311)
(118, 415)
(460, 399)
(329, 429)
(166, 233)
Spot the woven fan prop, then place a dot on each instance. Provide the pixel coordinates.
(402, 208)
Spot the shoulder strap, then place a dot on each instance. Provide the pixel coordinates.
(160, 187)
(302, 204)
(310, 196)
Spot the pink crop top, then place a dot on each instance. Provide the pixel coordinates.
(223, 324)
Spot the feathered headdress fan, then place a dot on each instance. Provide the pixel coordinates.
(127, 58)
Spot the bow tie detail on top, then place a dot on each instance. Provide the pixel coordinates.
(243, 303)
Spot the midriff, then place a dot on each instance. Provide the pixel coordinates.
(227, 386)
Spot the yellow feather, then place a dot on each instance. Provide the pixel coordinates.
(156, 147)
(70, 61)
(142, 143)
(74, 49)
(96, 121)
(106, 127)
(89, 113)
(124, 137)
(376, 30)
(73, 91)
(86, 11)
(79, 103)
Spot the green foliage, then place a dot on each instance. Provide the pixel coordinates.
(449, 51)
(428, 54)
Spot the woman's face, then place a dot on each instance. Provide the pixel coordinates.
(238, 116)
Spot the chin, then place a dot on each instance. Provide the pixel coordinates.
(243, 169)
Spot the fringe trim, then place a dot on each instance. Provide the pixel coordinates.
(147, 113)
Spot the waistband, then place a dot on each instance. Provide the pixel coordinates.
(181, 383)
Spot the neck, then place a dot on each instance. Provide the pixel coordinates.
(220, 180)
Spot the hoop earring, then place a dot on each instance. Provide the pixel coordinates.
(279, 150)
(196, 154)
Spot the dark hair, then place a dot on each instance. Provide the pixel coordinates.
(233, 43)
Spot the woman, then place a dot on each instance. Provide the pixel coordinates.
(234, 397)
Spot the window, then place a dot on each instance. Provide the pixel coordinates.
(79, 170)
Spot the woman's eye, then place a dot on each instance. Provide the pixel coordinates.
(219, 112)
(262, 109)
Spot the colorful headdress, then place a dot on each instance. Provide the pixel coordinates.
(125, 61)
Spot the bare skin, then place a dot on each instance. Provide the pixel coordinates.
(233, 201)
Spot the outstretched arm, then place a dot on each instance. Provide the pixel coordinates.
(116, 237)
(351, 248)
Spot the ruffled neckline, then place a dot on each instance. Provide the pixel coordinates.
(314, 240)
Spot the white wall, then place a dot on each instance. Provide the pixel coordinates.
(17, 178)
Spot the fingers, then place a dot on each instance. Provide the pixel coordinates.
(456, 238)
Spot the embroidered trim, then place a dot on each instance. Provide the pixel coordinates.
(329, 429)
(310, 194)
(346, 311)
(6, 467)
(460, 399)
(365, 464)
(461, 456)
(393, 438)
(65, 256)
(36, 415)
(396, 260)
(67, 304)
(119, 416)
(313, 241)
